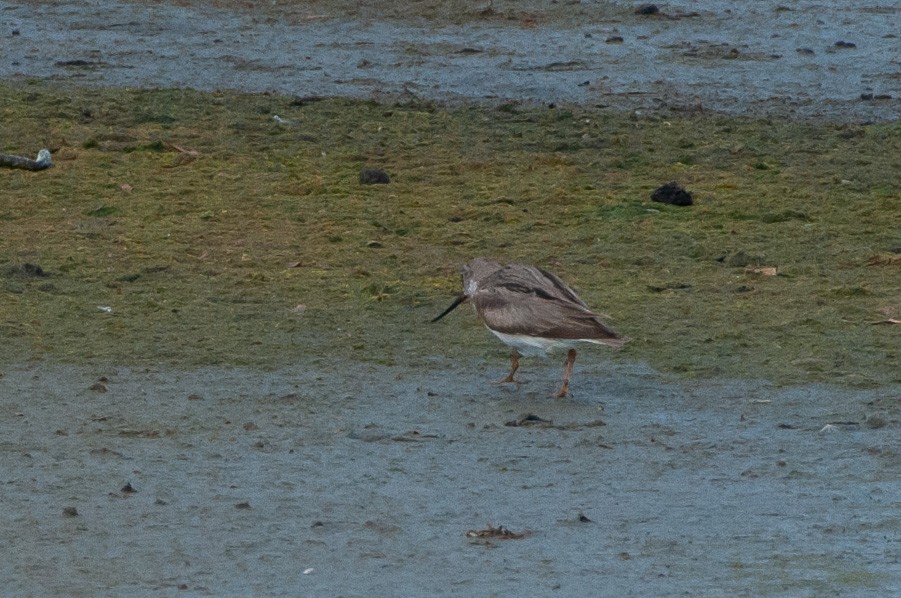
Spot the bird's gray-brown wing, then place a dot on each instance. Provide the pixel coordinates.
(512, 307)
(560, 287)
(537, 278)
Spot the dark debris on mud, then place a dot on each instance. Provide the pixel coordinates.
(490, 532)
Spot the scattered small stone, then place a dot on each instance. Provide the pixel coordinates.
(70, 512)
(305, 100)
(128, 489)
(27, 269)
(374, 176)
(670, 286)
(374, 244)
(76, 63)
(872, 96)
(584, 519)
(98, 387)
(195, 397)
(250, 426)
(614, 39)
(529, 419)
(874, 423)
(647, 10)
(806, 51)
(844, 44)
(33, 270)
(671, 193)
(242, 505)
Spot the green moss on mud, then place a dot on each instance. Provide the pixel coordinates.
(217, 234)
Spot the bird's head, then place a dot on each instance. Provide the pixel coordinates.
(473, 273)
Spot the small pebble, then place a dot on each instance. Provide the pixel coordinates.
(647, 10)
(671, 193)
(374, 176)
(874, 423)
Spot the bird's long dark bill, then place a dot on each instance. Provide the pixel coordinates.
(460, 299)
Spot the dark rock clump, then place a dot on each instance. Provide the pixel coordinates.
(374, 176)
(672, 194)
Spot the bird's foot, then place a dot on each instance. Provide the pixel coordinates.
(510, 380)
(563, 392)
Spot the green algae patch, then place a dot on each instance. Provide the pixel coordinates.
(211, 228)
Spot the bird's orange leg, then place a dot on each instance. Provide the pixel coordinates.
(567, 374)
(514, 365)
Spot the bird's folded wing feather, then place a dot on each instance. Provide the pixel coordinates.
(517, 309)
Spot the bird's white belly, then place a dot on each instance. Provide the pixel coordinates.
(535, 345)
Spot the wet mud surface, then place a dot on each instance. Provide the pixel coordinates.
(808, 59)
(359, 480)
(336, 478)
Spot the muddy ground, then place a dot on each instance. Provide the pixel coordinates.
(341, 478)
(808, 59)
(348, 480)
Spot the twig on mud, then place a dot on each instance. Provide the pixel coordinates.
(183, 150)
(497, 533)
(42, 162)
(185, 156)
